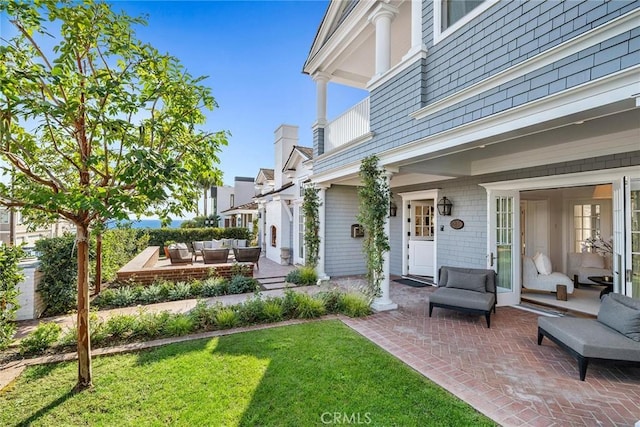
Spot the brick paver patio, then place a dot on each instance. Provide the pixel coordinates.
(502, 371)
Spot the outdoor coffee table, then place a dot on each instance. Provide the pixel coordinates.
(605, 281)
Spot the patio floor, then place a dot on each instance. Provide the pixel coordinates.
(502, 371)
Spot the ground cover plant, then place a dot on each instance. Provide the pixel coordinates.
(146, 325)
(131, 295)
(296, 375)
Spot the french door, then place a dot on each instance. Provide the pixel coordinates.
(503, 249)
(421, 245)
(626, 237)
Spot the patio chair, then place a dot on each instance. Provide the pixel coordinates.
(251, 254)
(180, 255)
(215, 256)
(469, 290)
(197, 249)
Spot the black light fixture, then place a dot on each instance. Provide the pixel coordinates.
(393, 209)
(444, 206)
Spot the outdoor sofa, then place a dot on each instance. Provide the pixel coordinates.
(614, 335)
(179, 254)
(469, 290)
(215, 256)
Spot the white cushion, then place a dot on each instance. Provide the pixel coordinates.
(543, 264)
(591, 260)
(216, 244)
(181, 245)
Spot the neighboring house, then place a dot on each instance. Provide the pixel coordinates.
(279, 194)
(234, 205)
(515, 112)
(25, 235)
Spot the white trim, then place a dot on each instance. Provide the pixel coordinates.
(405, 63)
(357, 141)
(590, 38)
(566, 180)
(439, 35)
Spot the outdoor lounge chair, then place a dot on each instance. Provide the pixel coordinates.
(469, 290)
(251, 254)
(180, 255)
(215, 256)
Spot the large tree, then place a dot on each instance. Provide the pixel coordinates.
(95, 125)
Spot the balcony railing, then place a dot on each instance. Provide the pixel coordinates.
(350, 125)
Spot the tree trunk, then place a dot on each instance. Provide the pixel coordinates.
(98, 280)
(84, 340)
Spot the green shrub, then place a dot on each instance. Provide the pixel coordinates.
(309, 307)
(294, 277)
(242, 285)
(59, 266)
(289, 303)
(180, 291)
(202, 315)
(178, 325)
(120, 326)
(10, 277)
(303, 276)
(151, 294)
(214, 286)
(41, 338)
(354, 305)
(196, 288)
(151, 325)
(272, 310)
(251, 311)
(119, 246)
(226, 318)
(124, 297)
(332, 300)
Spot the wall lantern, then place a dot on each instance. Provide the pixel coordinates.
(444, 206)
(393, 209)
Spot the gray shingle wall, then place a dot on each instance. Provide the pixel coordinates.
(506, 34)
(468, 246)
(343, 253)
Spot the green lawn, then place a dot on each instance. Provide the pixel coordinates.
(288, 376)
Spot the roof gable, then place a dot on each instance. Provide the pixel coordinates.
(297, 155)
(264, 175)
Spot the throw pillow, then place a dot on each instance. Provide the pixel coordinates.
(181, 246)
(543, 264)
(590, 260)
(622, 314)
(469, 281)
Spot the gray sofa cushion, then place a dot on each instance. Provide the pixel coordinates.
(591, 338)
(489, 274)
(621, 313)
(460, 298)
(470, 281)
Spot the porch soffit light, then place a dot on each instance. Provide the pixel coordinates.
(444, 207)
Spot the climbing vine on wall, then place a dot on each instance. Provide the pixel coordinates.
(310, 207)
(375, 196)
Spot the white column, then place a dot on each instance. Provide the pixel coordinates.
(381, 17)
(321, 80)
(384, 302)
(320, 268)
(416, 24)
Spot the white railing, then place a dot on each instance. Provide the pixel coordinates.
(347, 127)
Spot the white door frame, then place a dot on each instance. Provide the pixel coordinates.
(407, 197)
(567, 180)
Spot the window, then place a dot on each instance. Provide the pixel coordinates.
(586, 224)
(455, 10)
(423, 221)
(273, 236)
(4, 216)
(450, 15)
(231, 200)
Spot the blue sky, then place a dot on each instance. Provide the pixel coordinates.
(253, 53)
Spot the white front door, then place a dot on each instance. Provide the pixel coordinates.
(421, 245)
(504, 243)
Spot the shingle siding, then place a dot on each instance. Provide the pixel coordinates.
(343, 254)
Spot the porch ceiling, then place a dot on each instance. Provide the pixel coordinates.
(588, 131)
